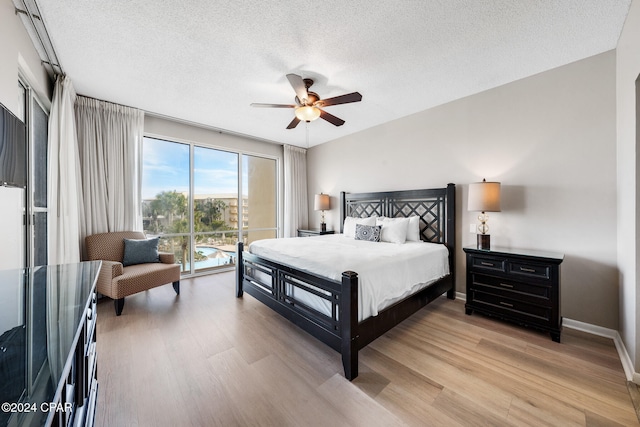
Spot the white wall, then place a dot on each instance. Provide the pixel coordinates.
(627, 71)
(550, 139)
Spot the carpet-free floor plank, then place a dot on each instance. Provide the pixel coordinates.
(206, 358)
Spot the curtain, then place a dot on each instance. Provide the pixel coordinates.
(64, 186)
(110, 141)
(296, 207)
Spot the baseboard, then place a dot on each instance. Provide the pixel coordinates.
(627, 365)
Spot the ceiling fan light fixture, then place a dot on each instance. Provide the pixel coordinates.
(307, 113)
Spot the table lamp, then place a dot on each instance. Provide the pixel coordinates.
(321, 203)
(484, 197)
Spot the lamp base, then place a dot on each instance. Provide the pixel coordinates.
(484, 241)
(323, 226)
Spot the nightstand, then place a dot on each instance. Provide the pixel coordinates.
(521, 286)
(313, 232)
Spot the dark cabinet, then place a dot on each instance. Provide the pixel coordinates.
(516, 285)
(49, 357)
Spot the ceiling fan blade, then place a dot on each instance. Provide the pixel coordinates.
(331, 118)
(342, 99)
(293, 123)
(273, 105)
(298, 85)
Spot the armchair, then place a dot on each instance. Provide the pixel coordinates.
(117, 281)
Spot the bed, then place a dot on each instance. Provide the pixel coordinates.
(290, 286)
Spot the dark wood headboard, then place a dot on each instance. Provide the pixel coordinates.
(434, 206)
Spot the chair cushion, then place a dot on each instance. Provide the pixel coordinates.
(140, 277)
(140, 251)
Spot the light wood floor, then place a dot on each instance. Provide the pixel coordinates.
(206, 358)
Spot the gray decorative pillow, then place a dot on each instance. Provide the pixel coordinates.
(370, 233)
(140, 251)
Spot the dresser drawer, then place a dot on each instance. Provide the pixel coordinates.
(540, 294)
(488, 264)
(515, 309)
(540, 271)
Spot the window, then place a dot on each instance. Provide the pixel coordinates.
(191, 200)
(165, 197)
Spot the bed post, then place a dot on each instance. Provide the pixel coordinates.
(349, 321)
(239, 269)
(343, 210)
(451, 237)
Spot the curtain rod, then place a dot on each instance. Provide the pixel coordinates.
(40, 34)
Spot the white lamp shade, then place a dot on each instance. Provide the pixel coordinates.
(484, 197)
(321, 202)
(307, 113)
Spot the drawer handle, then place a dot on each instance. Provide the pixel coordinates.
(506, 285)
(527, 270)
(488, 264)
(506, 304)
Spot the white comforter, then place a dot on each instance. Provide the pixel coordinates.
(387, 272)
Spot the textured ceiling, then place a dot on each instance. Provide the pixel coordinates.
(206, 61)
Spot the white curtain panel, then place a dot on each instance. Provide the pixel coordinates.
(296, 207)
(110, 141)
(64, 184)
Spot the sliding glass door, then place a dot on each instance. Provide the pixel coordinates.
(215, 207)
(191, 200)
(165, 197)
(35, 115)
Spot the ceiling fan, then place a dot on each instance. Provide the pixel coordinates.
(308, 106)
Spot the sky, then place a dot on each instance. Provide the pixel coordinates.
(165, 167)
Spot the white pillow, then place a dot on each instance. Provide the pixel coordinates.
(413, 230)
(349, 228)
(394, 230)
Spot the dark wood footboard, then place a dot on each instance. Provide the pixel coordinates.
(274, 285)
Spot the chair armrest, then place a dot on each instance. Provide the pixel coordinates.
(167, 258)
(112, 269)
(108, 271)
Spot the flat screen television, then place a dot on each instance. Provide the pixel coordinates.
(13, 143)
